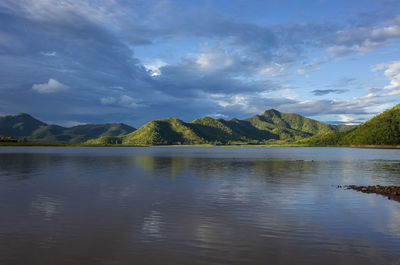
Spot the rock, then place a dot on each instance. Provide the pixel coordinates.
(392, 192)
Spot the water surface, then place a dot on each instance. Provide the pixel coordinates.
(233, 205)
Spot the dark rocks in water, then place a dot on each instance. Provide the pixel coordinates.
(392, 192)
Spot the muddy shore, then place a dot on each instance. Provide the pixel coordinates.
(391, 192)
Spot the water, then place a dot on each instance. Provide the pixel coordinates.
(197, 206)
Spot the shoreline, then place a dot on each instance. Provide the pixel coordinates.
(200, 145)
(391, 192)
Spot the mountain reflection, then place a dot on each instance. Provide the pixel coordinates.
(157, 206)
(214, 167)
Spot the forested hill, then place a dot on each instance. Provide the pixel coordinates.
(383, 129)
(270, 127)
(25, 126)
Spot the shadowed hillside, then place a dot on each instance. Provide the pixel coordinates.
(25, 126)
(20, 125)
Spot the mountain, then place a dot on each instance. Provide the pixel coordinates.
(77, 134)
(343, 127)
(383, 129)
(20, 125)
(270, 127)
(25, 126)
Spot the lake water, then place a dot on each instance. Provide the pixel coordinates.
(233, 205)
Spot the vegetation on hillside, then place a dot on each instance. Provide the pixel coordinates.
(20, 125)
(272, 127)
(384, 129)
(10, 140)
(25, 126)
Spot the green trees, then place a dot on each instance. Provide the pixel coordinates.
(24, 126)
(384, 129)
(8, 140)
(272, 127)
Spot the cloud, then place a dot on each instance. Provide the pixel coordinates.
(359, 40)
(52, 86)
(123, 100)
(121, 88)
(392, 73)
(218, 115)
(321, 92)
(309, 67)
(70, 123)
(128, 101)
(49, 53)
(213, 61)
(217, 64)
(154, 67)
(348, 119)
(108, 100)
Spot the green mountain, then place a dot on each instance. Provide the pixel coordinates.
(25, 126)
(270, 127)
(19, 126)
(383, 129)
(77, 134)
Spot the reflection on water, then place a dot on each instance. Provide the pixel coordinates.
(197, 206)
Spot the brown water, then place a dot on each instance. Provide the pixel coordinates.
(196, 206)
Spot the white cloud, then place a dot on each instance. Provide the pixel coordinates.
(71, 123)
(128, 101)
(364, 47)
(386, 32)
(154, 67)
(124, 100)
(62, 10)
(52, 86)
(49, 53)
(392, 73)
(347, 119)
(117, 87)
(218, 115)
(213, 59)
(363, 39)
(108, 100)
(273, 69)
(237, 101)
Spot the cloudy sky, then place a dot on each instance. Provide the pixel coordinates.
(70, 62)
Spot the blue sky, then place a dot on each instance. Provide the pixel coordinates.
(73, 62)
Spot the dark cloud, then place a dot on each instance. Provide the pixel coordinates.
(322, 92)
(87, 48)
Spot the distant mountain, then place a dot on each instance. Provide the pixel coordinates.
(343, 127)
(25, 126)
(270, 127)
(20, 125)
(77, 134)
(384, 129)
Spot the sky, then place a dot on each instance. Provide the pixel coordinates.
(71, 62)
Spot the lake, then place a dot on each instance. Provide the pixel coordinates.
(197, 205)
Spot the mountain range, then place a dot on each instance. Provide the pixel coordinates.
(25, 126)
(271, 127)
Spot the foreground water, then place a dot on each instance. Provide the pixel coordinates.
(197, 206)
